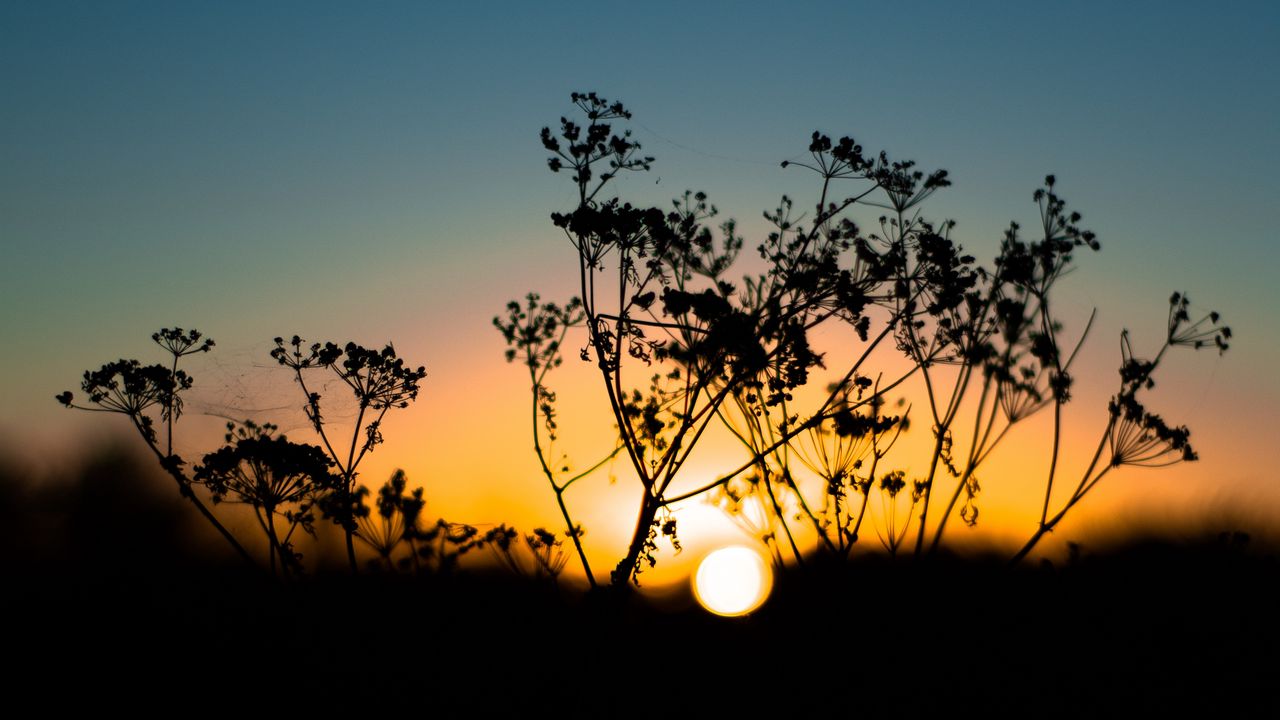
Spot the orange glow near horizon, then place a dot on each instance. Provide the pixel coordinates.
(467, 441)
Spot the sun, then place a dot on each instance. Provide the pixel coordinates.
(732, 581)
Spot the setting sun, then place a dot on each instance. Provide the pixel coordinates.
(732, 581)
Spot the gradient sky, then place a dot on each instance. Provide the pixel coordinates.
(373, 173)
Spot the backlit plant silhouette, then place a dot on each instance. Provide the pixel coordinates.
(394, 520)
(1133, 435)
(655, 291)
(682, 347)
(283, 482)
(279, 479)
(837, 454)
(379, 382)
(144, 392)
(397, 519)
(535, 332)
(679, 345)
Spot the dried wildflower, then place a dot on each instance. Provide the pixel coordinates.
(131, 388)
(279, 479)
(138, 391)
(394, 520)
(379, 380)
(1195, 335)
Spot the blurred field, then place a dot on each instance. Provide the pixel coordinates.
(113, 597)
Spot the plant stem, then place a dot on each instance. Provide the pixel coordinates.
(976, 455)
(574, 535)
(644, 521)
(559, 491)
(777, 509)
(1085, 486)
(275, 544)
(184, 489)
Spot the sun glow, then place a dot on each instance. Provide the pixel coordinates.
(732, 581)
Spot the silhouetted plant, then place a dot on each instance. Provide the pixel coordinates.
(680, 347)
(546, 550)
(394, 520)
(759, 511)
(833, 447)
(379, 381)
(397, 519)
(178, 343)
(838, 451)
(444, 544)
(891, 485)
(535, 333)
(143, 392)
(655, 293)
(1133, 435)
(1024, 369)
(279, 479)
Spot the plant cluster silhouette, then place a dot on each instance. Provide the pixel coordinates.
(681, 346)
(285, 483)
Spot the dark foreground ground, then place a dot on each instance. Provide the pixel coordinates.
(110, 612)
(1148, 629)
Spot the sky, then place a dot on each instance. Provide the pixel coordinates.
(373, 173)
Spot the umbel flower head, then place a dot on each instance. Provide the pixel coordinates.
(265, 470)
(395, 516)
(1202, 333)
(1142, 438)
(378, 378)
(131, 388)
(179, 342)
(1139, 437)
